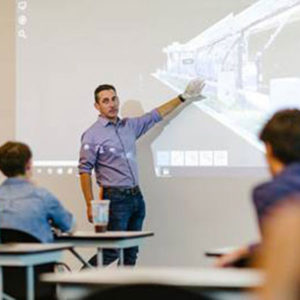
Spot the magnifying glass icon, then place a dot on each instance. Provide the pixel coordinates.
(22, 34)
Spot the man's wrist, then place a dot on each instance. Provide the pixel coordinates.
(181, 98)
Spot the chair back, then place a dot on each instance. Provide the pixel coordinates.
(8, 235)
(15, 277)
(147, 292)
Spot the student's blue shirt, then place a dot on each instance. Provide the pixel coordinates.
(278, 191)
(32, 209)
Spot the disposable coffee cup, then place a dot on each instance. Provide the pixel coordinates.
(100, 209)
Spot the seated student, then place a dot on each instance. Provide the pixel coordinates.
(23, 205)
(281, 136)
(31, 209)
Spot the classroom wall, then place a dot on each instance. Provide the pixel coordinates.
(7, 70)
(188, 215)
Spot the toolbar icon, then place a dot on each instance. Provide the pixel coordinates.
(22, 34)
(22, 5)
(22, 20)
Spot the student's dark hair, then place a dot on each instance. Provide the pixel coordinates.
(103, 87)
(13, 158)
(282, 132)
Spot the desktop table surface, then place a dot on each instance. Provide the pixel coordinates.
(198, 277)
(31, 248)
(108, 235)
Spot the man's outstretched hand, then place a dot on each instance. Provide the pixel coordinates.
(193, 89)
(191, 93)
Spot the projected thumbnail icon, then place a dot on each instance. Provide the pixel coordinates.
(192, 158)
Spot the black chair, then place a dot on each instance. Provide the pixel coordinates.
(146, 292)
(14, 278)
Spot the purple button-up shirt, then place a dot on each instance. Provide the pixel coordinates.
(278, 191)
(110, 149)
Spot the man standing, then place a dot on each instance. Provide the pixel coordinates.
(109, 148)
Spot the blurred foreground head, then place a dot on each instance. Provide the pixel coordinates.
(281, 136)
(280, 253)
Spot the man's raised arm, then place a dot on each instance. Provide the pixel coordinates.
(191, 93)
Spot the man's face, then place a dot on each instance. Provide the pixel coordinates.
(108, 104)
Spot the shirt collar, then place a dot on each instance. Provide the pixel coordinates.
(15, 180)
(291, 168)
(105, 122)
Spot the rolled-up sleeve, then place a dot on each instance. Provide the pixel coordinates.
(88, 155)
(142, 124)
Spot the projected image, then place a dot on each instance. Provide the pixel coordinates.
(248, 72)
(246, 51)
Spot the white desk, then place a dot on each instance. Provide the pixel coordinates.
(29, 255)
(106, 240)
(79, 284)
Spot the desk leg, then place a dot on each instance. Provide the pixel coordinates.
(30, 283)
(1, 283)
(121, 256)
(99, 257)
(79, 257)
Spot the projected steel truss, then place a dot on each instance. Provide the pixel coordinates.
(236, 93)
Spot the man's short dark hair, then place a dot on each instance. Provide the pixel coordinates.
(13, 158)
(103, 87)
(282, 132)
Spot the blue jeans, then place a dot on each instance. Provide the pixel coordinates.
(126, 213)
